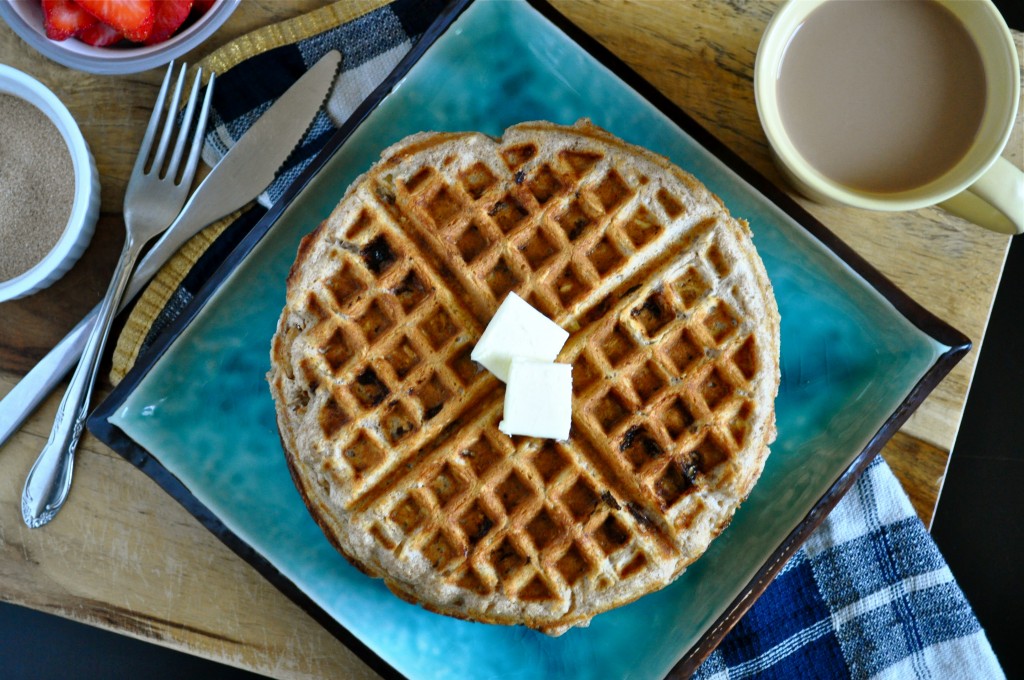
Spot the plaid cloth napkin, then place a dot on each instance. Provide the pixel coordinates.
(869, 594)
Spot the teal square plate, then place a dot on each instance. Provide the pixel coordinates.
(857, 357)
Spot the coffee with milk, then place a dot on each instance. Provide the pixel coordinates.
(882, 96)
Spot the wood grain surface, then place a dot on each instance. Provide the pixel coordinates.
(124, 556)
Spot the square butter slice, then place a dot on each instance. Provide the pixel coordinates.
(517, 330)
(538, 399)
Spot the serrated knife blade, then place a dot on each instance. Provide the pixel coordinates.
(246, 170)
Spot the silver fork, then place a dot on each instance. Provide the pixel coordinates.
(156, 192)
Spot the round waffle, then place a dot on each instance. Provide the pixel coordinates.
(391, 431)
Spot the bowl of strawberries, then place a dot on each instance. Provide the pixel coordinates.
(113, 37)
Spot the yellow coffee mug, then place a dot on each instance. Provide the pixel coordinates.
(982, 186)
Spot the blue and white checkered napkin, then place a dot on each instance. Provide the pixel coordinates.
(371, 46)
(867, 596)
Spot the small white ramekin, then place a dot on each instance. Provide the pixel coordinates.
(86, 205)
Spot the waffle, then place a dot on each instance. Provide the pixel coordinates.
(391, 431)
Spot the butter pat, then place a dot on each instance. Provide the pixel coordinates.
(517, 330)
(538, 399)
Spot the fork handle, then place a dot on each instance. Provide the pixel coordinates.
(49, 480)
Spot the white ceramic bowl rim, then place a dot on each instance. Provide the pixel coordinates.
(25, 18)
(23, 86)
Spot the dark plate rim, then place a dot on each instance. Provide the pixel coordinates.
(956, 342)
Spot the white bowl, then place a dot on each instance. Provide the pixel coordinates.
(25, 17)
(85, 207)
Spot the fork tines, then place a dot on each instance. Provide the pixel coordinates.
(159, 162)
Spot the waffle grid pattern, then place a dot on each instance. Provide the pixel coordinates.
(662, 373)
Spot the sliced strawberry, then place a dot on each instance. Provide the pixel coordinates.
(63, 19)
(201, 7)
(133, 18)
(100, 35)
(170, 14)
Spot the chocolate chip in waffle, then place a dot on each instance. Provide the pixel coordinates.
(391, 431)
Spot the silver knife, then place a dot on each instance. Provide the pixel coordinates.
(245, 171)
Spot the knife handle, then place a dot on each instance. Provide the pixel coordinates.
(25, 396)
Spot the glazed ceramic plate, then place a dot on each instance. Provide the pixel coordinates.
(857, 357)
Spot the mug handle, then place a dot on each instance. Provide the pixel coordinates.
(995, 201)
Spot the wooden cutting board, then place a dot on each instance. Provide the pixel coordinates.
(126, 557)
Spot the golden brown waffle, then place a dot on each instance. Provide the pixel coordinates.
(390, 430)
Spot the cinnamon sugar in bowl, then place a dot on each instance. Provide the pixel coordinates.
(49, 187)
